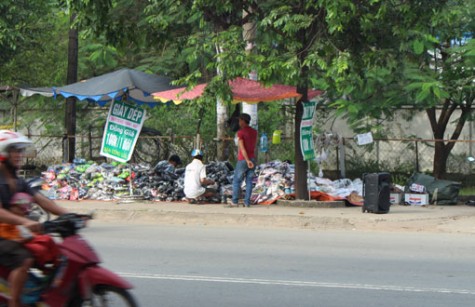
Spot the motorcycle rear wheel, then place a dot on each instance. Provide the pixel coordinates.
(107, 296)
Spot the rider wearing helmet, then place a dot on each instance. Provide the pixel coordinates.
(195, 179)
(13, 254)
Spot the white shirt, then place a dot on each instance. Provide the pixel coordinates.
(194, 172)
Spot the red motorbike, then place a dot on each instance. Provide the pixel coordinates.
(77, 280)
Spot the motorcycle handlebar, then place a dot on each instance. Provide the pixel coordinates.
(67, 224)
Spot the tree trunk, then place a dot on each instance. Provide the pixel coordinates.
(301, 189)
(70, 116)
(301, 166)
(439, 125)
(221, 118)
(222, 150)
(249, 36)
(441, 155)
(289, 120)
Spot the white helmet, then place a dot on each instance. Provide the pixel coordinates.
(196, 152)
(11, 138)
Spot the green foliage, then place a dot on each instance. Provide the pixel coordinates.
(20, 22)
(39, 59)
(183, 119)
(283, 151)
(34, 58)
(271, 118)
(416, 53)
(400, 172)
(98, 58)
(369, 56)
(467, 191)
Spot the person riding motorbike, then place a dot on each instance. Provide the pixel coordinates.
(42, 246)
(13, 254)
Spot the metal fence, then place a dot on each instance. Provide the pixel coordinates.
(401, 157)
(50, 150)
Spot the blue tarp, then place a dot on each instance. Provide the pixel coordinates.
(126, 83)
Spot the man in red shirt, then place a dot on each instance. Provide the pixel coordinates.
(246, 139)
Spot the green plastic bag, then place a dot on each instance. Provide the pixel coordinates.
(441, 192)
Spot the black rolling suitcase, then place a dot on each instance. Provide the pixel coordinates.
(376, 190)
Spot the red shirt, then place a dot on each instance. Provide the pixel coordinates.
(249, 136)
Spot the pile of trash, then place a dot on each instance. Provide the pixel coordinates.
(113, 181)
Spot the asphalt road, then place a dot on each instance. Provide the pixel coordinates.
(207, 266)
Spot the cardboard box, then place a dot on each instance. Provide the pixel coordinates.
(416, 199)
(395, 198)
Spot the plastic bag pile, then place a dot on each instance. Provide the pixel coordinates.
(276, 180)
(114, 181)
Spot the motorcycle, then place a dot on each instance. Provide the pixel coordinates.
(78, 279)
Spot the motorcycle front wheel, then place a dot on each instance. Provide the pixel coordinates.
(107, 296)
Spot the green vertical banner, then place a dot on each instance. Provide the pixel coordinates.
(122, 130)
(306, 131)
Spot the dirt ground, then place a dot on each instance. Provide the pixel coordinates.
(438, 219)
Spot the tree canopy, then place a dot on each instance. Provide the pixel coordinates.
(370, 57)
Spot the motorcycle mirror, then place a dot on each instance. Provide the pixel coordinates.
(92, 214)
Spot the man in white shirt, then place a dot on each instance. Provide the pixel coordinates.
(195, 179)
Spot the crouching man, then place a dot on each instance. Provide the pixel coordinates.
(196, 181)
